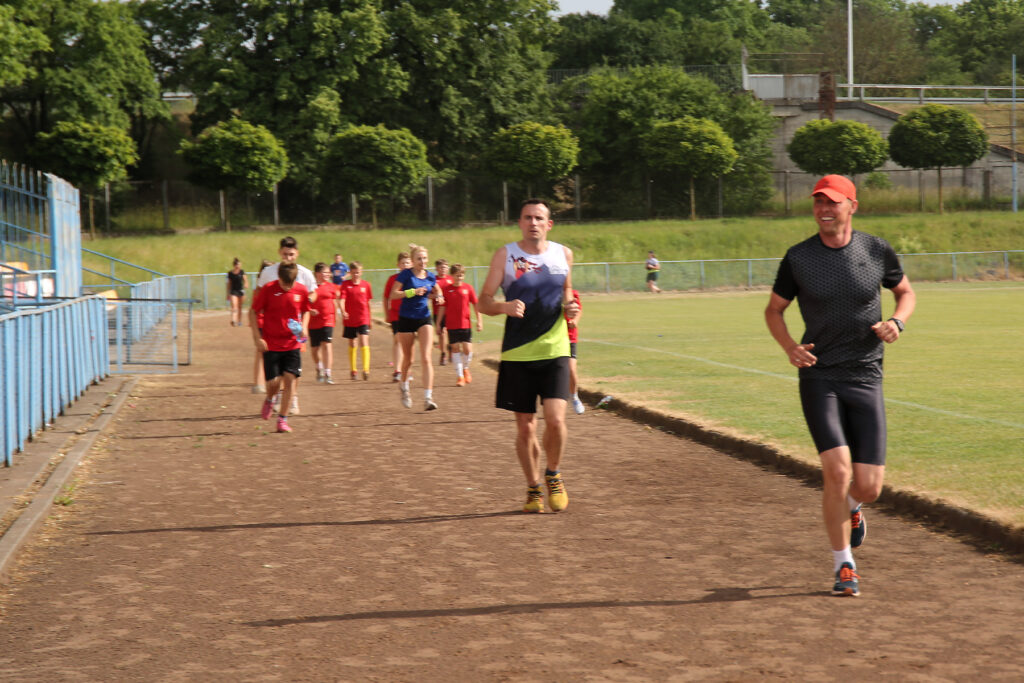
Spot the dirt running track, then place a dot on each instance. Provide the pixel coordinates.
(381, 544)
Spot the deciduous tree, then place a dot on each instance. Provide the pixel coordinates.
(529, 152)
(821, 147)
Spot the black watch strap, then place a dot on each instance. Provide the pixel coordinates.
(899, 323)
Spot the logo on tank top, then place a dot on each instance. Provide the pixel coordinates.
(523, 266)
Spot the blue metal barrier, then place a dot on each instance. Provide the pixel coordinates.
(48, 358)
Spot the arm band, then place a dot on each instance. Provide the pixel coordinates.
(410, 293)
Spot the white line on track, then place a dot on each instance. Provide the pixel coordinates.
(792, 378)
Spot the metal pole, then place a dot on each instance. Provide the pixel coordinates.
(1013, 127)
(277, 213)
(849, 48)
(504, 201)
(167, 209)
(355, 206)
(430, 199)
(579, 209)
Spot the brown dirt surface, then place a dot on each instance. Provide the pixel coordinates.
(377, 543)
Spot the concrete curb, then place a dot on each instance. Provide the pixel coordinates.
(32, 516)
(984, 532)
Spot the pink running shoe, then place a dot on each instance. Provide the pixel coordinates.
(268, 408)
(282, 425)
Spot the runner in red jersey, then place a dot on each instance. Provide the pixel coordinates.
(391, 308)
(443, 280)
(455, 314)
(356, 295)
(321, 323)
(284, 305)
(574, 333)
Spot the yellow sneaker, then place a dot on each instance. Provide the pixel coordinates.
(558, 498)
(534, 500)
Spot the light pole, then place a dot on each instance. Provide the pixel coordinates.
(849, 47)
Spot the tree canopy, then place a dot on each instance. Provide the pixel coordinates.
(236, 154)
(821, 147)
(532, 151)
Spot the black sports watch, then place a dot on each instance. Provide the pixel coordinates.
(899, 324)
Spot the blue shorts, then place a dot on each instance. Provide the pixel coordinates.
(846, 414)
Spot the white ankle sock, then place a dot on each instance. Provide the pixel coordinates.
(854, 504)
(840, 556)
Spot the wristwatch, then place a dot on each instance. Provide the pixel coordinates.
(899, 324)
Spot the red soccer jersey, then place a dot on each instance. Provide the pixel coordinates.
(356, 299)
(279, 306)
(574, 331)
(395, 304)
(442, 282)
(326, 294)
(457, 299)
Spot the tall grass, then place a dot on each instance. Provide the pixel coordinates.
(672, 240)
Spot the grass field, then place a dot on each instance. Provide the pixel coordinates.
(953, 381)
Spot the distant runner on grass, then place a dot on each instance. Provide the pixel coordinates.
(535, 276)
(837, 276)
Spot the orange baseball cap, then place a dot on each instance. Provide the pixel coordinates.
(836, 187)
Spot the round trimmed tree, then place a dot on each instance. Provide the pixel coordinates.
(696, 148)
(937, 135)
(236, 154)
(373, 162)
(531, 152)
(88, 155)
(822, 147)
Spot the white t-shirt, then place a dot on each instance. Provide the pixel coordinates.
(304, 277)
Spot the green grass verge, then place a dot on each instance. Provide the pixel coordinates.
(595, 242)
(952, 386)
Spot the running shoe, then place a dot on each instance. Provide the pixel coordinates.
(443, 361)
(396, 377)
(558, 498)
(858, 528)
(328, 379)
(353, 374)
(320, 377)
(846, 581)
(282, 425)
(429, 404)
(578, 406)
(268, 408)
(366, 376)
(468, 377)
(460, 382)
(406, 398)
(534, 500)
(294, 410)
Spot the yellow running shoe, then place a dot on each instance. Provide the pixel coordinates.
(534, 499)
(558, 498)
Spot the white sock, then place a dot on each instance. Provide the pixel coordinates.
(575, 396)
(405, 385)
(428, 394)
(468, 357)
(840, 556)
(457, 359)
(319, 366)
(854, 504)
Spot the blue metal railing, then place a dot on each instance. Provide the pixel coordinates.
(48, 358)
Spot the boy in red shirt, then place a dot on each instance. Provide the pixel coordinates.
(356, 295)
(284, 304)
(454, 313)
(321, 323)
(391, 308)
(443, 280)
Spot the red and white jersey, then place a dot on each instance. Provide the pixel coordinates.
(356, 299)
(326, 295)
(457, 299)
(442, 282)
(278, 307)
(574, 331)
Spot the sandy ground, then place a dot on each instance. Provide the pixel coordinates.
(377, 543)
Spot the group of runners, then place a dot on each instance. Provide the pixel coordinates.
(836, 275)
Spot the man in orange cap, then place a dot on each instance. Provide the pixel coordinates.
(837, 275)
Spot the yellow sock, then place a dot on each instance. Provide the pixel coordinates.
(352, 358)
(366, 359)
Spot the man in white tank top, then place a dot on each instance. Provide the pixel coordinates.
(535, 276)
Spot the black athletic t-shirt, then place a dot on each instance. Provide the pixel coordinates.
(840, 299)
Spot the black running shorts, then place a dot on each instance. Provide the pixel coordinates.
(521, 383)
(460, 335)
(353, 332)
(846, 414)
(320, 335)
(410, 325)
(276, 363)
